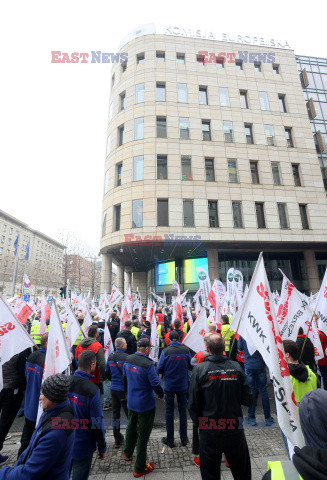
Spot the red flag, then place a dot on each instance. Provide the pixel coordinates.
(25, 312)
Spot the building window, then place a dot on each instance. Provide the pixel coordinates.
(3, 239)
(120, 135)
(237, 214)
(139, 93)
(288, 136)
(160, 56)
(264, 101)
(4, 228)
(106, 182)
(206, 133)
(124, 66)
(188, 213)
(248, 133)
(184, 128)
(261, 222)
(137, 214)
(104, 223)
(110, 111)
(213, 214)
(203, 97)
(122, 100)
(239, 64)
(232, 170)
(182, 92)
(270, 135)
(277, 176)
(108, 144)
(210, 169)
(138, 168)
(186, 168)
(275, 69)
(139, 128)
(160, 92)
(254, 172)
(243, 99)
(296, 174)
(161, 127)
(162, 213)
(200, 59)
(140, 58)
(180, 57)
(257, 66)
(220, 62)
(224, 97)
(283, 218)
(304, 216)
(117, 210)
(228, 131)
(282, 104)
(162, 170)
(119, 169)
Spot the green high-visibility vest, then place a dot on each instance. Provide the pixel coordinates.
(301, 388)
(227, 334)
(135, 331)
(283, 471)
(78, 339)
(35, 332)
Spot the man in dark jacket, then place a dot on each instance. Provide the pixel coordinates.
(33, 373)
(142, 379)
(91, 343)
(127, 334)
(145, 330)
(174, 365)
(49, 453)
(11, 396)
(113, 326)
(85, 399)
(218, 388)
(114, 371)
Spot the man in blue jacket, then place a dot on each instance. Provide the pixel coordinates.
(142, 380)
(33, 373)
(114, 372)
(49, 453)
(255, 369)
(174, 365)
(84, 397)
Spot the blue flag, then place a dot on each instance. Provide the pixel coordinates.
(16, 245)
(27, 248)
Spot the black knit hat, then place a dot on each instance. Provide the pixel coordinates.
(144, 342)
(56, 387)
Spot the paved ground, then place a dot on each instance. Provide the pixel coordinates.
(265, 444)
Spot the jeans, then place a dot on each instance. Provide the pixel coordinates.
(106, 392)
(81, 468)
(138, 432)
(169, 414)
(323, 373)
(257, 380)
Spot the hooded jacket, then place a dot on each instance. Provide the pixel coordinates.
(174, 364)
(303, 380)
(218, 388)
(313, 418)
(309, 462)
(130, 340)
(85, 399)
(92, 344)
(49, 453)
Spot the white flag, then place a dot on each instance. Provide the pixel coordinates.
(115, 296)
(194, 338)
(238, 279)
(13, 336)
(204, 283)
(73, 328)
(259, 319)
(321, 305)
(154, 340)
(87, 321)
(108, 347)
(230, 283)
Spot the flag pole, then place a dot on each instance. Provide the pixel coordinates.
(306, 337)
(15, 275)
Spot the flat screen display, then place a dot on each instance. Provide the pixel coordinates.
(165, 273)
(189, 268)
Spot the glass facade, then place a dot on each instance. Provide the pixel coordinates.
(313, 74)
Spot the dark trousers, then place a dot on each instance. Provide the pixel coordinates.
(138, 432)
(169, 413)
(10, 401)
(323, 372)
(27, 433)
(195, 440)
(81, 468)
(116, 403)
(235, 448)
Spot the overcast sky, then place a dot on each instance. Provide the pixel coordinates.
(53, 116)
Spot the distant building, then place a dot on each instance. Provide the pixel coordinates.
(84, 275)
(44, 266)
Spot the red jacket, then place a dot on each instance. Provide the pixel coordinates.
(95, 347)
(182, 335)
(161, 320)
(323, 339)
